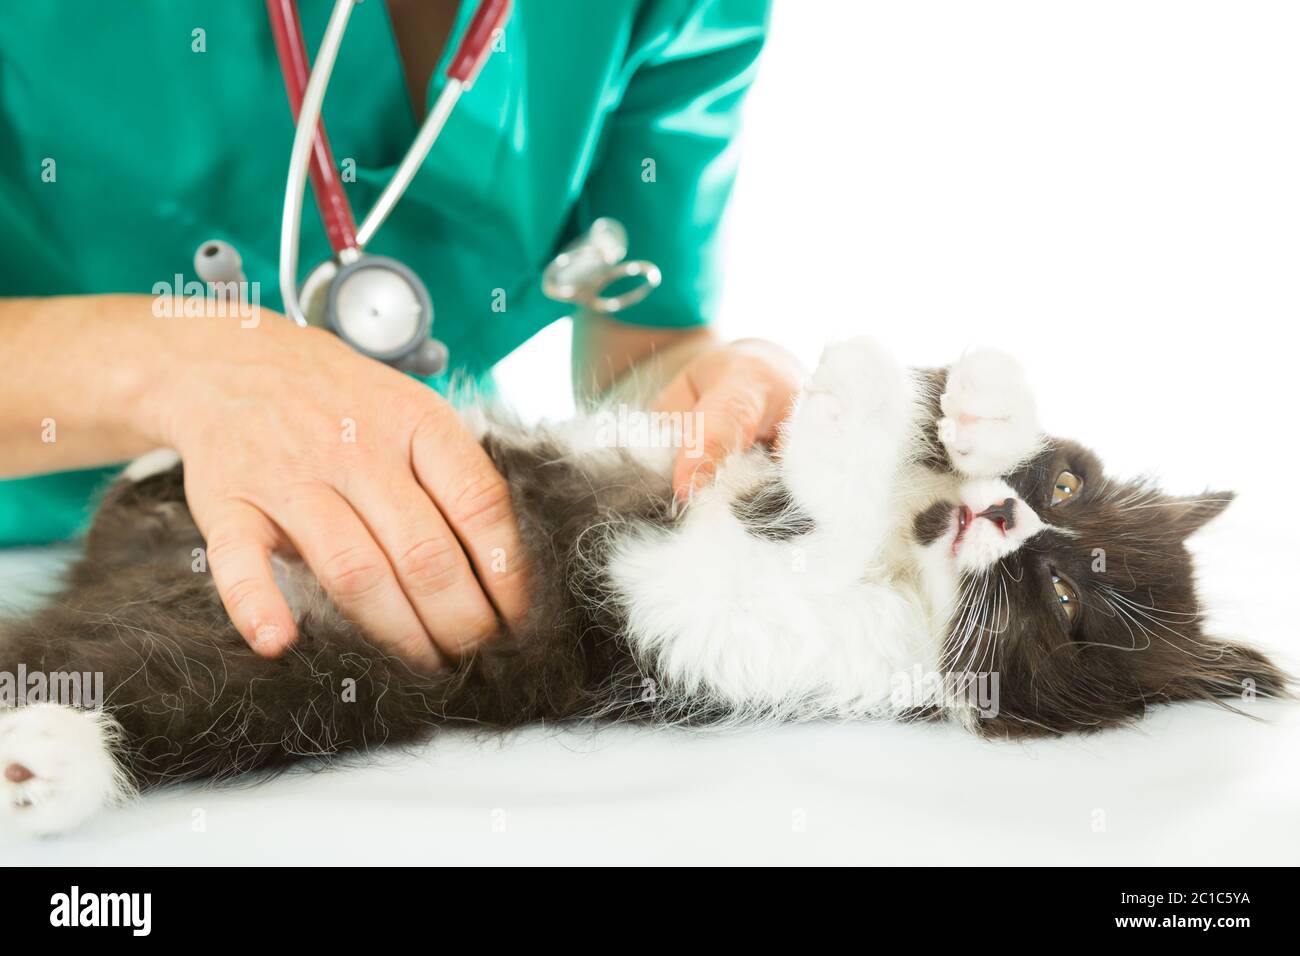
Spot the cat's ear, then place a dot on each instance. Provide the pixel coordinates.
(1190, 513)
(1225, 670)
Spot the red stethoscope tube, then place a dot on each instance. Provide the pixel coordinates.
(286, 27)
(335, 210)
(473, 51)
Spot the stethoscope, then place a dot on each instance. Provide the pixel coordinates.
(376, 304)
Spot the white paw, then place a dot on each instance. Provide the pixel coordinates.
(857, 390)
(848, 432)
(56, 767)
(861, 374)
(990, 420)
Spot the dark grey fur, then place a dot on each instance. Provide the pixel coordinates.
(195, 702)
(770, 511)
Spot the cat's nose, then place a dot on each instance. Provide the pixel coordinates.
(1003, 515)
(17, 773)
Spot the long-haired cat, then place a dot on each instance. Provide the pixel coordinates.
(916, 548)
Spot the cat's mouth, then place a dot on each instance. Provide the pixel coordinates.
(963, 516)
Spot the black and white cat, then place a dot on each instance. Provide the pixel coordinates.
(916, 548)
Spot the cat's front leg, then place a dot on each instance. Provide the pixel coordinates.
(988, 421)
(848, 433)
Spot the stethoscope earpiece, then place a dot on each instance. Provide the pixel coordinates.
(216, 261)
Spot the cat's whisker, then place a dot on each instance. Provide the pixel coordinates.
(1128, 622)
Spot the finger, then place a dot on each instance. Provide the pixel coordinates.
(430, 563)
(731, 413)
(239, 541)
(356, 574)
(680, 395)
(784, 375)
(475, 500)
(782, 404)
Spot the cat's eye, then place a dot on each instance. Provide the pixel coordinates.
(1067, 485)
(1066, 596)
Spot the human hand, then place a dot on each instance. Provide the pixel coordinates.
(742, 391)
(292, 440)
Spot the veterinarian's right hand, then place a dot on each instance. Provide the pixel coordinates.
(291, 440)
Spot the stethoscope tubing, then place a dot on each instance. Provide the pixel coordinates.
(336, 211)
(410, 165)
(300, 157)
(311, 155)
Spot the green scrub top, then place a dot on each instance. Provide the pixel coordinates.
(132, 132)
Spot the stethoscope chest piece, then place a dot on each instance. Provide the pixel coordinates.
(381, 308)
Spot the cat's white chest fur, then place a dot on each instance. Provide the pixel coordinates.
(821, 623)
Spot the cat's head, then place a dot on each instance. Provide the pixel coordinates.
(1077, 592)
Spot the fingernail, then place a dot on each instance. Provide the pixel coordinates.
(267, 636)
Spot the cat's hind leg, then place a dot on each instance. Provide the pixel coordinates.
(57, 767)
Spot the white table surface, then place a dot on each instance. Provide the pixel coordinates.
(1189, 785)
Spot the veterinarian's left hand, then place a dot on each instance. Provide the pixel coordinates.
(742, 390)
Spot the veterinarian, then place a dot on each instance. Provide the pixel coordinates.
(132, 133)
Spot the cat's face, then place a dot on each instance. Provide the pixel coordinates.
(1077, 591)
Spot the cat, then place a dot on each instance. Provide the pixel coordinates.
(914, 548)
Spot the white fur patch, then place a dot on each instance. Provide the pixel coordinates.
(151, 463)
(984, 542)
(821, 624)
(56, 768)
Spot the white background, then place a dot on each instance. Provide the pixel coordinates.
(1108, 190)
(1111, 190)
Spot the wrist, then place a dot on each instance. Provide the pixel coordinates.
(74, 401)
(182, 366)
(642, 383)
(125, 400)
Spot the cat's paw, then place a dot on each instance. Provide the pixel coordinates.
(847, 433)
(858, 370)
(56, 767)
(858, 392)
(990, 420)
(854, 411)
